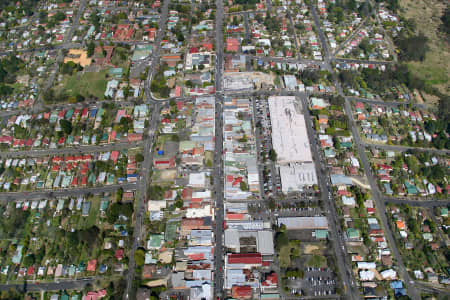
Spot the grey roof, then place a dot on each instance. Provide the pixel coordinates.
(304, 222)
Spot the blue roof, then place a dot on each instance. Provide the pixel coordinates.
(399, 292)
(340, 179)
(397, 284)
(93, 112)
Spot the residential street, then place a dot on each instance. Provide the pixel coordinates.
(140, 204)
(72, 192)
(337, 236)
(70, 150)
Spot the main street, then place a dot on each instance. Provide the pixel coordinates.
(218, 167)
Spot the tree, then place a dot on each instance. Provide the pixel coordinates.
(243, 186)
(119, 194)
(118, 208)
(66, 126)
(139, 157)
(139, 257)
(90, 49)
(209, 163)
(445, 27)
(412, 163)
(281, 239)
(29, 260)
(79, 98)
(271, 204)
(59, 16)
(272, 155)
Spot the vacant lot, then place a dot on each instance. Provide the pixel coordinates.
(435, 68)
(85, 84)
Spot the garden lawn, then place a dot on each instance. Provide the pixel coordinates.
(92, 219)
(317, 261)
(284, 256)
(285, 253)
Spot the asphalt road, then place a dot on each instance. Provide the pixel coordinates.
(218, 169)
(358, 61)
(383, 103)
(292, 60)
(69, 150)
(157, 49)
(344, 266)
(339, 245)
(140, 204)
(421, 203)
(347, 40)
(15, 196)
(376, 195)
(407, 148)
(75, 284)
(412, 291)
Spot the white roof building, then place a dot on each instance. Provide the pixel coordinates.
(298, 223)
(197, 179)
(295, 176)
(289, 136)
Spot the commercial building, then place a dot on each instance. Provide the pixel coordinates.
(297, 175)
(291, 144)
(289, 136)
(238, 241)
(300, 223)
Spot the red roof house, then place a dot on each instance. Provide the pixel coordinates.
(245, 259)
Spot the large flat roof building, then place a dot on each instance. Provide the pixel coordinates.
(296, 176)
(299, 223)
(289, 136)
(263, 240)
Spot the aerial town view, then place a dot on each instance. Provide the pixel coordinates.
(224, 149)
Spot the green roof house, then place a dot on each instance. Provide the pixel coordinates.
(104, 204)
(346, 144)
(411, 189)
(321, 234)
(69, 114)
(353, 233)
(116, 72)
(155, 241)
